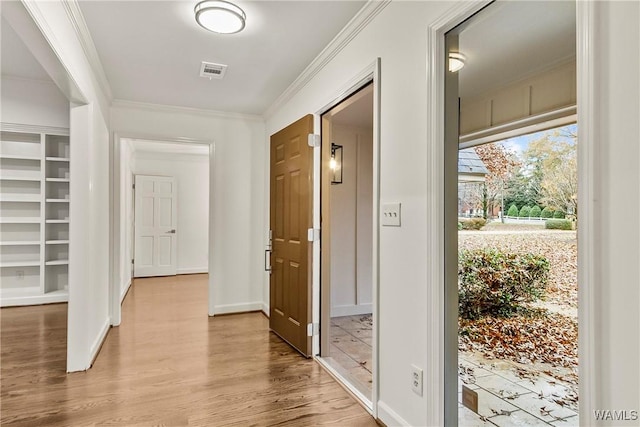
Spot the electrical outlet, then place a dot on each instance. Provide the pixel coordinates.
(416, 380)
(19, 274)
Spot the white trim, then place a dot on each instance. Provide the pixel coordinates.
(97, 343)
(435, 302)
(175, 109)
(18, 127)
(114, 287)
(14, 299)
(193, 270)
(124, 290)
(588, 235)
(370, 74)
(351, 310)
(86, 41)
(531, 124)
(360, 21)
(390, 417)
(46, 81)
(239, 308)
(265, 308)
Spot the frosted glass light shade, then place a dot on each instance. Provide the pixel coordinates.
(220, 16)
(456, 61)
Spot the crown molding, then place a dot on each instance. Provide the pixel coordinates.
(369, 11)
(88, 46)
(161, 108)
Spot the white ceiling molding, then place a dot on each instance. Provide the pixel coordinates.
(335, 46)
(121, 103)
(84, 36)
(27, 79)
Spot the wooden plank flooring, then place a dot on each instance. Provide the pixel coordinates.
(168, 364)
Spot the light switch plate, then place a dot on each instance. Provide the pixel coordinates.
(391, 215)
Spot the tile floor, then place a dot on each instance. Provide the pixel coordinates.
(506, 397)
(351, 352)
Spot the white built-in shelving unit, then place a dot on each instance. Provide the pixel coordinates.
(34, 215)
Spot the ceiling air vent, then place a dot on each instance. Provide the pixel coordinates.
(212, 71)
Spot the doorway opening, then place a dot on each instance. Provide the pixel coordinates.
(511, 212)
(164, 213)
(347, 252)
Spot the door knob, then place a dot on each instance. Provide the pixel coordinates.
(171, 231)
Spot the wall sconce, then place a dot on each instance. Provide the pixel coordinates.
(336, 163)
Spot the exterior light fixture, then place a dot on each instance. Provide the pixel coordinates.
(220, 16)
(335, 164)
(456, 61)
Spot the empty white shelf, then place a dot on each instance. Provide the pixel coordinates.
(57, 221)
(19, 178)
(20, 243)
(57, 179)
(30, 198)
(57, 159)
(20, 264)
(19, 157)
(57, 200)
(19, 220)
(57, 242)
(57, 262)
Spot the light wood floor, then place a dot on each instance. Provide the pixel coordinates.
(167, 364)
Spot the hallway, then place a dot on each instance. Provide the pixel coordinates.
(167, 364)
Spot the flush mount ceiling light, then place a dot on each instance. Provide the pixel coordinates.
(456, 61)
(220, 16)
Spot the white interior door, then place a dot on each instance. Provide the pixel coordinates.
(155, 226)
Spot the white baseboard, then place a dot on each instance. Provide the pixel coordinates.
(351, 310)
(265, 309)
(237, 308)
(95, 347)
(124, 290)
(192, 270)
(389, 417)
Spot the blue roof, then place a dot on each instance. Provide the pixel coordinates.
(470, 163)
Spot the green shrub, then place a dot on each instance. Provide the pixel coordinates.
(558, 224)
(513, 210)
(558, 215)
(471, 224)
(547, 212)
(524, 212)
(535, 212)
(495, 283)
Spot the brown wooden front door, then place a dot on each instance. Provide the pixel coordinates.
(291, 217)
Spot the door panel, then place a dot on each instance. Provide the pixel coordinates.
(155, 230)
(291, 217)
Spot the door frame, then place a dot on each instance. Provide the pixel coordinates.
(370, 74)
(440, 408)
(115, 311)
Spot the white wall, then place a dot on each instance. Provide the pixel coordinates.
(398, 35)
(237, 182)
(351, 224)
(192, 176)
(33, 102)
(126, 230)
(89, 255)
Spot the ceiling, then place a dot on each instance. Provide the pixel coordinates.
(17, 60)
(151, 51)
(510, 40)
(358, 113)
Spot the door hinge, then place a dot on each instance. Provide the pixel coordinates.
(313, 329)
(313, 234)
(133, 261)
(313, 140)
(133, 186)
